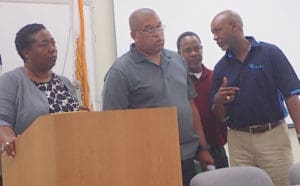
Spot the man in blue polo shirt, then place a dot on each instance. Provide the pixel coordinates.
(251, 83)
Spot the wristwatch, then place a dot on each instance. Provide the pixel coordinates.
(203, 147)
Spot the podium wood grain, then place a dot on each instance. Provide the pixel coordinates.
(110, 148)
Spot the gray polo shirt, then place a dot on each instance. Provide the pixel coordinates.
(133, 82)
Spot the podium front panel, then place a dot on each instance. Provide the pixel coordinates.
(111, 148)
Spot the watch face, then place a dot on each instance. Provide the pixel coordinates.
(203, 147)
(206, 147)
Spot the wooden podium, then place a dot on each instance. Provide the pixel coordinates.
(110, 148)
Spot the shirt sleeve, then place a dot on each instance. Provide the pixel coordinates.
(8, 100)
(216, 83)
(285, 76)
(191, 89)
(116, 91)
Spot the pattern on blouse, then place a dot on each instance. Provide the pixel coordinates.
(59, 98)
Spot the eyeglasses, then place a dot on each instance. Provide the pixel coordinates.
(196, 49)
(151, 30)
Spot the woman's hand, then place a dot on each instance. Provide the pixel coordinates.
(7, 140)
(9, 147)
(86, 108)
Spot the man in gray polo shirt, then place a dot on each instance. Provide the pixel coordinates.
(151, 76)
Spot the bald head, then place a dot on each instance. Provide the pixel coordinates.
(230, 17)
(227, 28)
(136, 18)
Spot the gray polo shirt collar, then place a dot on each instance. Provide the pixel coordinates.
(138, 57)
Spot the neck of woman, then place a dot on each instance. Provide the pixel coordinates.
(39, 77)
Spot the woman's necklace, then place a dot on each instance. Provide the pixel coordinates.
(37, 78)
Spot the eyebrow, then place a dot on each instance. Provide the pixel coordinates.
(43, 40)
(158, 24)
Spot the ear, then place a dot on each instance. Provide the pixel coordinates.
(234, 25)
(26, 53)
(133, 35)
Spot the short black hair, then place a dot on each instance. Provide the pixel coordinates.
(184, 34)
(23, 38)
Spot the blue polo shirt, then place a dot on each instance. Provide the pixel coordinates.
(265, 79)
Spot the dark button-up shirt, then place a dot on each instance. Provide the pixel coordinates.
(215, 131)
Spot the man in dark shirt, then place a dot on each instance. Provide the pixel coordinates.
(190, 48)
(251, 83)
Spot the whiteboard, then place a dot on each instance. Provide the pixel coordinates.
(274, 21)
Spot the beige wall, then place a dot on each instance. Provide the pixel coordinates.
(105, 49)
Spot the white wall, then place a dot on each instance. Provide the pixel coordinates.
(56, 15)
(275, 21)
(106, 51)
(16, 15)
(269, 20)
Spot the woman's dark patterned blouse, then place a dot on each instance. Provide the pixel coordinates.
(58, 95)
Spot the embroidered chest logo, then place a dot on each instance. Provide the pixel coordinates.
(255, 67)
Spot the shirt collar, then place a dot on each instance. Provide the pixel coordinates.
(135, 54)
(138, 57)
(196, 75)
(253, 44)
(203, 74)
